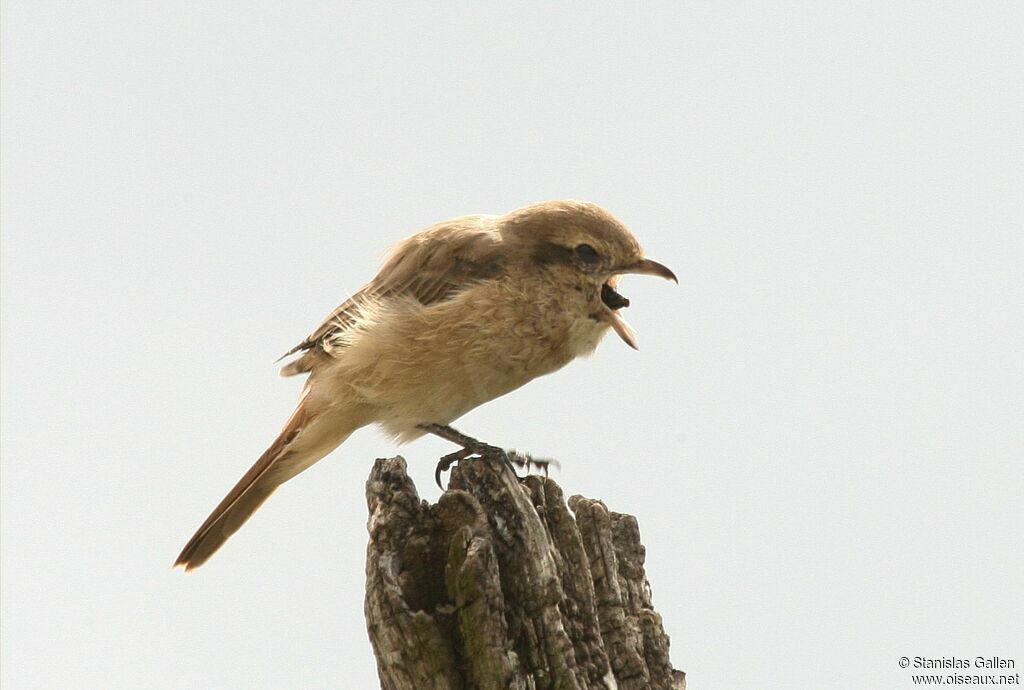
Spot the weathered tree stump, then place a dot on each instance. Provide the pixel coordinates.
(499, 586)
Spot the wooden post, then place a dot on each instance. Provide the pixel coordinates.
(499, 586)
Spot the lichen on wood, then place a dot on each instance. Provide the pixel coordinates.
(499, 586)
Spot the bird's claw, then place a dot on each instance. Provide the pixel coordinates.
(481, 450)
(470, 447)
(446, 462)
(512, 459)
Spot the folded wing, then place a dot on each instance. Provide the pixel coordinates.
(430, 267)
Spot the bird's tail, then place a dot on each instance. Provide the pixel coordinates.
(308, 436)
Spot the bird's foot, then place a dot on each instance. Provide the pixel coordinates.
(483, 451)
(471, 447)
(446, 462)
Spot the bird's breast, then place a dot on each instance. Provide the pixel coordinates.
(420, 364)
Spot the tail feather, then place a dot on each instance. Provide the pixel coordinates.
(222, 524)
(306, 438)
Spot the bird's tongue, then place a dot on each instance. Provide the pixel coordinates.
(624, 330)
(612, 299)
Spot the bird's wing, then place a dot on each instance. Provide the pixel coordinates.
(430, 267)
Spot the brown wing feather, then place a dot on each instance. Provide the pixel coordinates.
(430, 266)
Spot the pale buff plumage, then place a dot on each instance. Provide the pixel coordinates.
(461, 313)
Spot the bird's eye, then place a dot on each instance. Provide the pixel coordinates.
(587, 254)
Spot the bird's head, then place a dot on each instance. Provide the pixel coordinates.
(583, 248)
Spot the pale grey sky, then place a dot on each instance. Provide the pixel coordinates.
(821, 435)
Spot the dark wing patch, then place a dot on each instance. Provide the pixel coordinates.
(431, 267)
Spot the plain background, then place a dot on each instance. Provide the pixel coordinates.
(822, 432)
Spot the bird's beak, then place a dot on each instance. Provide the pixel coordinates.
(651, 268)
(612, 315)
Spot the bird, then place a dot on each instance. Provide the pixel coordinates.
(459, 314)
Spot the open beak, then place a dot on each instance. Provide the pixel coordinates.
(614, 301)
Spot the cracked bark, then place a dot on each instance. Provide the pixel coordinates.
(499, 586)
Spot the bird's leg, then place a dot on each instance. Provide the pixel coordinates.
(470, 446)
(457, 437)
